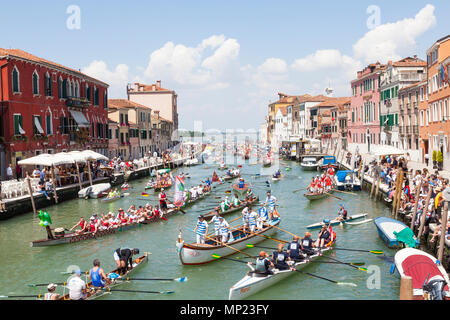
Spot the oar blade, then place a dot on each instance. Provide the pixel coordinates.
(182, 279)
(348, 284)
(216, 256)
(376, 251)
(250, 245)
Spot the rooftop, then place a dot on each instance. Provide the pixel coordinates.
(124, 103)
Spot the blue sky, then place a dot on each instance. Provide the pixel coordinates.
(225, 59)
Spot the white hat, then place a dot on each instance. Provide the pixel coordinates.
(51, 286)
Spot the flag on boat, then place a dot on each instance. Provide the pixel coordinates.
(178, 196)
(215, 177)
(144, 194)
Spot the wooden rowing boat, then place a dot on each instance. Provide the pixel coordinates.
(316, 196)
(424, 270)
(240, 191)
(254, 282)
(335, 222)
(195, 254)
(112, 199)
(95, 292)
(232, 209)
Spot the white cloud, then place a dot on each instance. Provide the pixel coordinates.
(393, 41)
(273, 65)
(324, 59)
(117, 78)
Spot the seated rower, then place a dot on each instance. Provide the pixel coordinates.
(324, 236)
(263, 264)
(83, 226)
(93, 226)
(97, 275)
(342, 213)
(241, 183)
(235, 202)
(281, 258)
(51, 295)
(263, 217)
(110, 194)
(307, 244)
(293, 250)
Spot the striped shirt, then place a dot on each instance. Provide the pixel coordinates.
(263, 213)
(216, 221)
(271, 201)
(201, 227)
(224, 226)
(252, 218)
(245, 215)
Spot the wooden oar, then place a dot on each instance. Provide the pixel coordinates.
(30, 296)
(353, 194)
(282, 230)
(331, 195)
(302, 189)
(136, 291)
(358, 250)
(333, 281)
(267, 237)
(182, 279)
(46, 284)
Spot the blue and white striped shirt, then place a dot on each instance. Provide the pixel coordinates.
(201, 227)
(263, 213)
(252, 218)
(216, 221)
(271, 201)
(224, 227)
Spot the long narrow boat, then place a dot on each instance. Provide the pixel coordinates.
(386, 228)
(158, 187)
(195, 254)
(424, 270)
(232, 209)
(94, 292)
(254, 282)
(316, 196)
(335, 222)
(111, 199)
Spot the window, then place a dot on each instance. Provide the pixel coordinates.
(35, 83)
(64, 89)
(49, 123)
(88, 92)
(96, 96)
(105, 100)
(18, 124)
(37, 125)
(15, 80)
(48, 85)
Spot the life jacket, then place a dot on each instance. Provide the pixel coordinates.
(261, 265)
(92, 227)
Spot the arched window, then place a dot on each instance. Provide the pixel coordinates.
(60, 87)
(15, 80)
(48, 84)
(69, 88)
(35, 82)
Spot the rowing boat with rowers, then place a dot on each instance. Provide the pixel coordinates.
(335, 222)
(316, 196)
(240, 191)
(254, 282)
(232, 209)
(195, 254)
(95, 292)
(112, 199)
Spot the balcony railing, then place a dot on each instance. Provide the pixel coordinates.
(401, 130)
(415, 129)
(77, 102)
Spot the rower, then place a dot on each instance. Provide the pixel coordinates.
(124, 259)
(77, 287)
(324, 235)
(83, 226)
(293, 250)
(245, 213)
(236, 202)
(280, 258)
(263, 264)
(342, 213)
(92, 226)
(224, 205)
(270, 201)
(241, 183)
(216, 220)
(51, 295)
(252, 216)
(97, 275)
(263, 216)
(201, 229)
(307, 244)
(163, 201)
(312, 186)
(224, 229)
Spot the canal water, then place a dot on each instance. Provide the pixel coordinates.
(22, 265)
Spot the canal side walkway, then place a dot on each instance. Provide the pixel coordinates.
(22, 204)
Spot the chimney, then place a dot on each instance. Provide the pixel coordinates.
(136, 87)
(153, 87)
(158, 84)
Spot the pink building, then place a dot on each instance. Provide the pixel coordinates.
(364, 114)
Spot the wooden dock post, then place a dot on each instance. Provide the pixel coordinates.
(416, 203)
(373, 185)
(31, 193)
(406, 288)
(89, 172)
(443, 230)
(394, 202)
(424, 212)
(53, 183)
(400, 191)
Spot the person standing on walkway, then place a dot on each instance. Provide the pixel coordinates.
(9, 173)
(18, 172)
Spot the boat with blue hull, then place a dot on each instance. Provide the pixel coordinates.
(386, 228)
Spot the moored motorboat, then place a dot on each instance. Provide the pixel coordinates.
(309, 164)
(328, 162)
(386, 228)
(95, 292)
(429, 278)
(95, 191)
(253, 282)
(195, 254)
(335, 222)
(347, 180)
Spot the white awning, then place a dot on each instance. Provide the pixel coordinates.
(79, 118)
(21, 131)
(38, 125)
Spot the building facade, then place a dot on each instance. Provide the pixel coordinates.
(435, 133)
(48, 108)
(161, 133)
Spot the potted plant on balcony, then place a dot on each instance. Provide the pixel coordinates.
(440, 160)
(434, 159)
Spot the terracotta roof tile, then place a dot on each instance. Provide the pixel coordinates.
(124, 103)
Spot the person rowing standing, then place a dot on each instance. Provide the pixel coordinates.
(224, 229)
(216, 220)
(263, 216)
(252, 216)
(270, 202)
(201, 229)
(245, 213)
(163, 201)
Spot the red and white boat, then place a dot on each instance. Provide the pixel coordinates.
(430, 280)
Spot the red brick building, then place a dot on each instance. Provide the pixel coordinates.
(48, 108)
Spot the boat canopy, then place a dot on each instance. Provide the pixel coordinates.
(342, 174)
(329, 160)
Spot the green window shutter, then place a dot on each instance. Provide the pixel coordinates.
(16, 124)
(396, 119)
(64, 88)
(15, 77)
